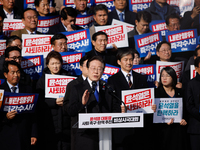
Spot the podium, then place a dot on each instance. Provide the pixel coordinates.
(106, 121)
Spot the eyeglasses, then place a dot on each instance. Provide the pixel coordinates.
(62, 44)
(175, 24)
(96, 69)
(32, 17)
(165, 50)
(15, 58)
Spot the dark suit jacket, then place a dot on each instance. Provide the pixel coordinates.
(17, 13)
(21, 31)
(16, 133)
(129, 16)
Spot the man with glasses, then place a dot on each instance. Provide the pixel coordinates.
(59, 42)
(30, 21)
(173, 22)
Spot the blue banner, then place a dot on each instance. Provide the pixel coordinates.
(70, 3)
(84, 21)
(78, 41)
(71, 62)
(158, 26)
(30, 4)
(147, 43)
(2, 81)
(148, 70)
(138, 5)
(109, 71)
(182, 40)
(109, 4)
(45, 22)
(21, 102)
(33, 66)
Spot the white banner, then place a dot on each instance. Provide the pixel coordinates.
(129, 27)
(192, 72)
(168, 108)
(2, 46)
(138, 101)
(55, 85)
(110, 120)
(1, 97)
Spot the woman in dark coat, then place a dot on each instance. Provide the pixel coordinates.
(54, 127)
(170, 135)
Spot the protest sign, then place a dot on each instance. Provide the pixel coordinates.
(84, 21)
(30, 4)
(56, 85)
(138, 101)
(36, 45)
(147, 43)
(2, 46)
(21, 102)
(192, 72)
(44, 23)
(158, 26)
(109, 71)
(168, 108)
(129, 27)
(138, 5)
(117, 35)
(33, 66)
(71, 62)
(109, 4)
(70, 3)
(1, 96)
(182, 40)
(78, 41)
(2, 81)
(177, 66)
(10, 25)
(110, 120)
(149, 71)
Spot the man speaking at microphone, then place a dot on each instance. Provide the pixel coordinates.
(90, 96)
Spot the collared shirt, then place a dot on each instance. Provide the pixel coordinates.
(10, 86)
(125, 74)
(138, 31)
(83, 77)
(118, 13)
(34, 32)
(9, 16)
(90, 83)
(84, 13)
(64, 26)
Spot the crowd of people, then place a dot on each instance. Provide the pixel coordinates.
(54, 124)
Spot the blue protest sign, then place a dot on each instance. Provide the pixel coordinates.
(147, 43)
(84, 21)
(2, 81)
(138, 5)
(149, 71)
(109, 4)
(71, 62)
(78, 41)
(30, 4)
(158, 26)
(33, 66)
(70, 3)
(21, 102)
(109, 71)
(182, 40)
(45, 22)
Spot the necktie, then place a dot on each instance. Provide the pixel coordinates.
(129, 80)
(121, 18)
(13, 89)
(96, 93)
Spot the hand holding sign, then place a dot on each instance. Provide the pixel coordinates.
(10, 115)
(59, 101)
(85, 97)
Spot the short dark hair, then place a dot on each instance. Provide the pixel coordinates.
(7, 63)
(146, 16)
(172, 73)
(100, 7)
(37, 2)
(54, 54)
(161, 43)
(94, 36)
(10, 49)
(68, 11)
(27, 9)
(83, 59)
(172, 16)
(124, 52)
(99, 58)
(10, 39)
(196, 62)
(196, 51)
(57, 36)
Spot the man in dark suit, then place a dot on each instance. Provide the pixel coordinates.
(8, 10)
(121, 13)
(59, 42)
(81, 7)
(99, 42)
(30, 21)
(68, 20)
(90, 96)
(17, 131)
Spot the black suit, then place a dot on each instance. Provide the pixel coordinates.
(129, 16)
(87, 139)
(17, 13)
(17, 132)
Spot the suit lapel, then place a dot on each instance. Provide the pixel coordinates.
(115, 14)
(6, 87)
(123, 81)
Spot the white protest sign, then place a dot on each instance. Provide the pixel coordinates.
(168, 108)
(1, 97)
(110, 120)
(36, 45)
(117, 34)
(192, 72)
(56, 85)
(129, 27)
(2, 46)
(177, 66)
(138, 101)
